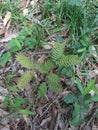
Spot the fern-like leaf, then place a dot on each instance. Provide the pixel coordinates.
(45, 67)
(25, 79)
(68, 60)
(57, 51)
(42, 91)
(54, 82)
(24, 61)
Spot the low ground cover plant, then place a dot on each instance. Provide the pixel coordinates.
(54, 53)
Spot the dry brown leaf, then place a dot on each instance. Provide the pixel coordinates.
(59, 123)
(47, 47)
(33, 3)
(93, 73)
(95, 127)
(45, 121)
(7, 18)
(25, 12)
(9, 37)
(95, 54)
(27, 119)
(54, 114)
(53, 18)
(73, 128)
(2, 31)
(29, 94)
(4, 120)
(23, 4)
(6, 127)
(42, 58)
(3, 93)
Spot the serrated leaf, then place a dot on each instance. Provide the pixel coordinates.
(42, 90)
(45, 67)
(57, 51)
(68, 60)
(90, 86)
(25, 79)
(24, 61)
(26, 112)
(54, 82)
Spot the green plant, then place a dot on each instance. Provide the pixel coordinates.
(47, 8)
(46, 67)
(42, 91)
(29, 38)
(80, 17)
(16, 12)
(16, 104)
(5, 58)
(80, 102)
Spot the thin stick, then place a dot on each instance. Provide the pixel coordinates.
(93, 116)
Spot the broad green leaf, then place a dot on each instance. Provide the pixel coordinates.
(79, 85)
(14, 45)
(46, 66)
(70, 98)
(24, 61)
(25, 79)
(5, 58)
(95, 98)
(83, 55)
(20, 100)
(78, 115)
(81, 50)
(90, 86)
(13, 89)
(26, 112)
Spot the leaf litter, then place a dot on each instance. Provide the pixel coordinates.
(49, 114)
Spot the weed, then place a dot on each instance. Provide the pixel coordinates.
(16, 104)
(80, 21)
(30, 37)
(81, 102)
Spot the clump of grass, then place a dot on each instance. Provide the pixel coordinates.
(79, 16)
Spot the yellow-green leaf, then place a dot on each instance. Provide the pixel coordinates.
(26, 112)
(24, 61)
(25, 79)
